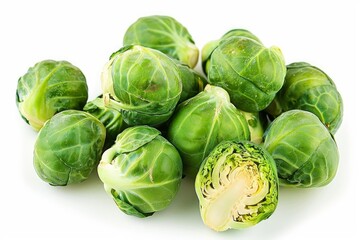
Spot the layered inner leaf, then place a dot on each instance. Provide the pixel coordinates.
(238, 187)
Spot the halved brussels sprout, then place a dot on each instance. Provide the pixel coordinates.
(165, 34)
(309, 88)
(48, 88)
(68, 147)
(109, 117)
(141, 172)
(210, 46)
(237, 186)
(305, 152)
(251, 73)
(143, 83)
(202, 122)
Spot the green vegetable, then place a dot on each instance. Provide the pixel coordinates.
(110, 118)
(143, 83)
(237, 186)
(192, 82)
(305, 152)
(251, 73)
(50, 87)
(202, 122)
(257, 123)
(210, 46)
(141, 172)
(309, 88)
(165, 34)
(245, 126)
(68, 147)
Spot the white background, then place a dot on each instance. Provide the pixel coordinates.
(85, 33)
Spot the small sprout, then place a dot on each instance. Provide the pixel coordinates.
(48, 88)
(142, 171)
(165, 34)
(68, 147)
(143, 84)
(305, 152)
(202, 122)
(109, 117)
(252, 76)
(208, 49)
(309, 88)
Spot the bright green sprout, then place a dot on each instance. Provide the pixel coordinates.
(68, 147)
(109, 117)
(305, 152)
(143, 83)
(251, 73)
(165, 34)
(142, 171)
(48, 88)
(309, 88)
(202, 122)
(208, 49)
(192, 82)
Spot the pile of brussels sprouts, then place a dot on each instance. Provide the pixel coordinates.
(245, 126)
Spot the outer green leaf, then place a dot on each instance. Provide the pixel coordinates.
(128, 208)
(133, 138)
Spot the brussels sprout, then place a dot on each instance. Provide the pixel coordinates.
(237, 186)
(50, 87)
(110, 118)
(305, 152)
(202, 122)
(143, 83)
(192, 82)
(68, 147)
(141, 172)
(251, 73)
(309, 88)
(165, 34)
(210, 46)
(257, 123)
